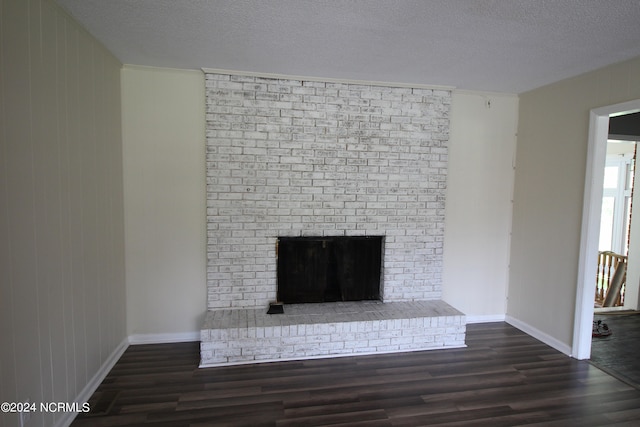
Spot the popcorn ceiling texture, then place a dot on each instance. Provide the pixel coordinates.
(303, 158)
(481, 45)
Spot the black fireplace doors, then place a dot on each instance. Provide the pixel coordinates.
(329, 269)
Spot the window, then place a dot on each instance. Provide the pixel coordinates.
(616, 204)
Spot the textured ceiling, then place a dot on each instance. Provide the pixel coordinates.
(491, 45)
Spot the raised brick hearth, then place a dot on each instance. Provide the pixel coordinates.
(306, 331)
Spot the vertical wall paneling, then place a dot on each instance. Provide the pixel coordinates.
(7, 355)
(62, 292)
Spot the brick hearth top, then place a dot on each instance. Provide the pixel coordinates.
(301, 314)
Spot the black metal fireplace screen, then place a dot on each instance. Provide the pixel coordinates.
(329, 269)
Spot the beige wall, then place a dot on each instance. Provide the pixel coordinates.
(164, 198)
(548, 195)
(163, 122)
(478, 207)
(164, 180)
(62, 278)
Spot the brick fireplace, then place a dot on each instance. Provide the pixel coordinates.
(308, 158)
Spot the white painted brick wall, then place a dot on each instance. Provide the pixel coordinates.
(301, 158)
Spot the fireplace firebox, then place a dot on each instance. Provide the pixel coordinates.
(329, 269)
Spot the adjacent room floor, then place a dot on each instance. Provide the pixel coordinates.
(502, 378)
(619, 353)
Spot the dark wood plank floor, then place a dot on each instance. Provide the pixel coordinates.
(503, 378)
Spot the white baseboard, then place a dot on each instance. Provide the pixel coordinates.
(88, 390)
(485, 318)
(164, 338)
(539, 335)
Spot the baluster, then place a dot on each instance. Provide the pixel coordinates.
(599, 278)
(607, 274)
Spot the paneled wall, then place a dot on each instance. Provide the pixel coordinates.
(62, 279)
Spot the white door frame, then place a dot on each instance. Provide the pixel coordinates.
(591, 210)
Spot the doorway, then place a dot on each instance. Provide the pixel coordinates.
(591, 215)
(615, 221)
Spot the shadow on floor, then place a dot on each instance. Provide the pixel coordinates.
(617, 354)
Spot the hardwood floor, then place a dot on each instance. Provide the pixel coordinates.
(503, 378)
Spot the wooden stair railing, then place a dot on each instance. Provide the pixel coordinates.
(608, 264)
